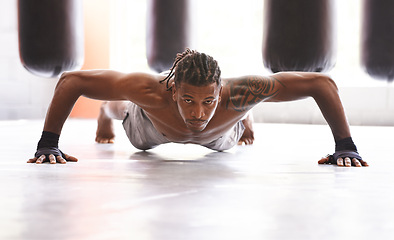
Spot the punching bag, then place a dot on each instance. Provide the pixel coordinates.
(50, 36)
(377, 39)
(167, 32)
(298, 35)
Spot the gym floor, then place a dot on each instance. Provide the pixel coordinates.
(272, 190)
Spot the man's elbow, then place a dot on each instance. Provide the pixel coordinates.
(68, 81)
(325, 82)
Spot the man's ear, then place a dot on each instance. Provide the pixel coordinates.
(173, 88)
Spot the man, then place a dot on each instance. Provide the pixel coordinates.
(190, 105)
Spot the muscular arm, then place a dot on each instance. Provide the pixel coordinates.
(323, 90)
(97, 84)
(247, 91)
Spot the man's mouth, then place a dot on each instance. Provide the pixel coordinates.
(196, 123)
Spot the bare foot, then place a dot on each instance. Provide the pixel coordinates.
(248, 135)
(105, 131)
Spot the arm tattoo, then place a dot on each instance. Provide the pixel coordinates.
(246, 93)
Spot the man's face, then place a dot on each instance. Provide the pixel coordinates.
(197, 105)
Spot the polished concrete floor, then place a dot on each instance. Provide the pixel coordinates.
(272, 190)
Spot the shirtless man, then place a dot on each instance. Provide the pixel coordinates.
(191, 105)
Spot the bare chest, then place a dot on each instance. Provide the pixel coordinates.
(169, 123)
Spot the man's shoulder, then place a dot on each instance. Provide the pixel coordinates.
(145, 82)
(143, 76)
(145, 89)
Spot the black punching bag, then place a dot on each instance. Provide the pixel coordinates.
(167, 32)
(377, 39)
(50, 36)
(298, 35)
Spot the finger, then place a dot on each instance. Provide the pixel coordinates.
(60, 159)
(348, 162)
(32, 160)
(323, 160)
(70, 158)
(52, 159)
(364, 163)
(356, 162)
(40, 159)
(340, 162)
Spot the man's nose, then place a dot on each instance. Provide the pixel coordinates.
(198, 112)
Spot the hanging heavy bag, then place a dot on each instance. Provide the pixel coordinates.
(50, 36)
(377, 39)
(167, 32)
(298, 35)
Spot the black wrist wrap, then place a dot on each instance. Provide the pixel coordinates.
(48, 139)
(48, 145)
(345, 148)
(345, 144)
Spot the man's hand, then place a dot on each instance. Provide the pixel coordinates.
(48, 150)
(52, 155)
(343, 161)
(346, 154)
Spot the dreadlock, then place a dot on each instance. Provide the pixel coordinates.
(194, 68)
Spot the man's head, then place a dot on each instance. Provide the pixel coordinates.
(197, 69)
(196, 88)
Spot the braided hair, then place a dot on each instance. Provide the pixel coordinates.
(192, 67)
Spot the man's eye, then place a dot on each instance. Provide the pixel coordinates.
(208, 102)
(188, 101)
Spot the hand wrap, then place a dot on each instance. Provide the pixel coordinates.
(344, 148)
(48, 145)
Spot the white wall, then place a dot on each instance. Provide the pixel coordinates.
(22, 95)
